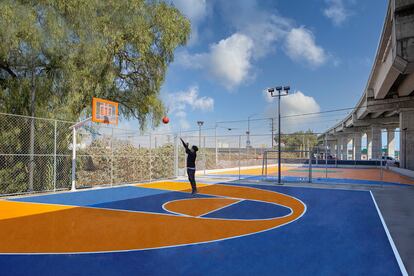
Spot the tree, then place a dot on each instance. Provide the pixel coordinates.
(299, 141)
(56, 55)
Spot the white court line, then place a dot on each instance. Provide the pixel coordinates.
(299, 185)
(220, 208)
(227, 197)
(394, 248)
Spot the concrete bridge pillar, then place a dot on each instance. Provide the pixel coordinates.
(376, 142)
(332, 148)
(407, 139)
(369, 145)
(344, 147)
(338, 148)
(391, 142)
(356, 146)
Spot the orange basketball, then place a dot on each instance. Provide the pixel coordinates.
(165, 120)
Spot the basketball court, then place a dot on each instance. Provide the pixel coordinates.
(159, 228)
(322, 220)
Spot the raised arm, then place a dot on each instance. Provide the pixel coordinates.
(187, 150)
(184, 143)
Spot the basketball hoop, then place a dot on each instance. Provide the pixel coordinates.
(104, 111)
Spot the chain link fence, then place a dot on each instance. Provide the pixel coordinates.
(113, 156)
(36, 155)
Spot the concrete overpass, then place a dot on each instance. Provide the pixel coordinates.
(387, 102)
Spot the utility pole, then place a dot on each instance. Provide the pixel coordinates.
(248, 131)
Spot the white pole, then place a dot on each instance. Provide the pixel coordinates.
(199, 136)
(215, 144)
(112, 157)
(54, 159)
(326, 155)
(176, 156)
(74, 159)
(239, 154)
(150, 157)
(204, 154)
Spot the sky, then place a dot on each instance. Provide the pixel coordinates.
(322, 49)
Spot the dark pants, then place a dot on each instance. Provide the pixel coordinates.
(191, 178)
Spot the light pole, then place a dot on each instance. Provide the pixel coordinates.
(273, 129)
(200, 124)
(281, 91)
(248, 130)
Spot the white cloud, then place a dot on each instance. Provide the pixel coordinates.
(190, 98)
(228, 61)
(195, 11)
(266, 33)
(336, 11)
(179, 103)
(263, 27)
(258, 34)
(294, 104)
(300, 45)
(299, 103)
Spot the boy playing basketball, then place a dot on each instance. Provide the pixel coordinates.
(191, 167)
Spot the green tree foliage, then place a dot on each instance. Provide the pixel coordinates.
(298, 141)
(69, 51)
(56, 55)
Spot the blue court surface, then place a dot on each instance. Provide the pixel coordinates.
(339, 233)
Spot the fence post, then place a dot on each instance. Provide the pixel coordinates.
(215, 145)
(54, 158)
(204, 154)
(326, 155)
(263, 158)
(381, 169)
(32, 158)
(310, 167)
(175, 155)
(112, 157)
(73, 188)
(239, 154)
(150, 157)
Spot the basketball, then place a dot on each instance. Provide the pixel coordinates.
(165, 120)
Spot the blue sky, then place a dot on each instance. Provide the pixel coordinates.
(323, 49)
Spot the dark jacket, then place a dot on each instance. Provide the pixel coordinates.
(191, 156)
